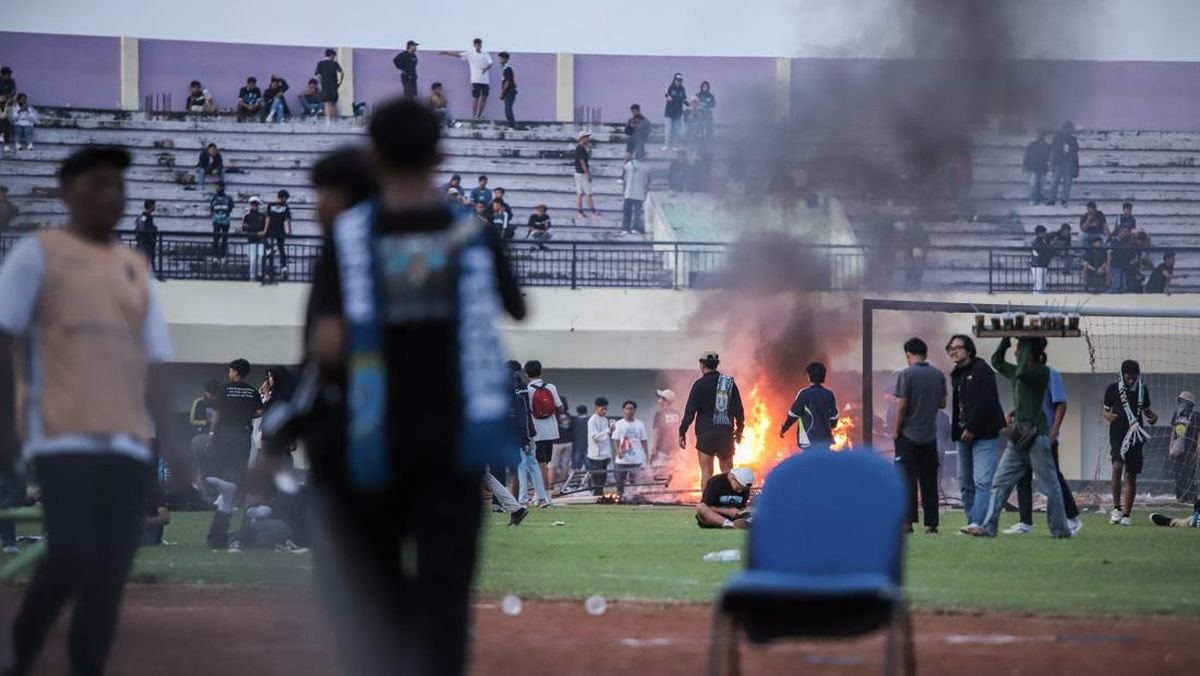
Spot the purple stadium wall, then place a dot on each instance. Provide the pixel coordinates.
(64, 70)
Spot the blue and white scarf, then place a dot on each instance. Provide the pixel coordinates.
(721, 408)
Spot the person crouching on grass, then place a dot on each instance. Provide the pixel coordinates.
(725, 499)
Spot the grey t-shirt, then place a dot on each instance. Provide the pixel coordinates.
(924, 388)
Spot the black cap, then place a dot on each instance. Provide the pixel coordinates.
(412, 43)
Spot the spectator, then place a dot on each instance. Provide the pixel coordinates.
(1043, 251)
(977, 420)
(715, 404)
(1127, 410)
(961, 177)
(250, 100)
(916, 248)
(8, 210)
(199, 99)
(279, 227)
(1062, 238)
(920, 393)
(200, 418)
(406, 63)
(539, 226)
(725, 499)
(630, 443)
(583, 174)
(814, 412)
(1064, 161)
(1036, 164)
(1095, 267)
(211, 163)
(220, 208)
(310, 99)
(480, 212)
(156, 516)
(147, 233)
(254, 224)
(455, 183)
(544, 405)
(560, 454)
(677, 173)
(704, 111)
(637, 129)
(329, 71)
(508, 88)
(437, 101)
(276, 107)
(454, 197)
(676, 101)
(504, 228)
(1054, 407)
(499, 194)
(1143, 264)
(481, 193)
(635, 178)
(8, 93)
(1160, 279)
(599, 453)
(1120, 261)
(1092, 225)
(665, 426)
(1127, 217)
(23, 117)
(579, 438)
(479, 63)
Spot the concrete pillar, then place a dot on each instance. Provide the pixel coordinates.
(345, 105)
(130, 91)
(564, 88)
(783, 89)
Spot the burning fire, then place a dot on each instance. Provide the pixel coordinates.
(841, 434)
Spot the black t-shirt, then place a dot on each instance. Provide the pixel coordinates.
(1098, 223)
(156, 497)
(1127, 219)
(718, 492)
(249, 95)
(327, 71)
(539, 222)
(1112, 403)
(196, 100)
(507, 75)
(254, 222)
(407, 63)
(277, 215)
(1122, 252)
(238, 404)
(581, 159)
(1158, 280)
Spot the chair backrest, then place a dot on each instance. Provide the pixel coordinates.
(830, 513)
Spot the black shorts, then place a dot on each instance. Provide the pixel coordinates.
(478, 90)
(717, 443)
(329, 94)
(1133, 458)
(544, 451)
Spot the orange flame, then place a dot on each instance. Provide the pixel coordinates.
(841, 434)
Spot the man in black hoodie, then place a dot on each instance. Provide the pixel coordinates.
(1036, 163)
(1064, 160)
(716, 406)
(977, 419)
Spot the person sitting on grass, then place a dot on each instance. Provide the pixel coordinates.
(1192, 521)
(725, 499)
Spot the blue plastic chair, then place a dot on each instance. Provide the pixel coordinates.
(826, 557)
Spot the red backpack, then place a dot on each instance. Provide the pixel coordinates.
(542, 403)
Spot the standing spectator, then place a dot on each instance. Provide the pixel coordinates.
(544, 406)
(1043, 251)
(1143, 264)
(275, 105)
(254, 225)
(961, 177)
(23, 117)
(560, 457)
(634, 178)
(715, 403)
(976, 422)
(406, 63)
(637, 131)
(1127, 411)
(1160, 279)
(916, 249)
(310, 99)
(583, 174)
(579, 438)
(200, 419)
(1092, 225)
(630, 444)
(676, 101)
(920, 392)
(1127, 217)
(147, 233)
(220, 208)
(231, 440)
(704, 112)
(1054, 407)
(8, 93)
(211, 163)
(250, 100)
(482, 193)
(1036, 164)
(279, 227)
(677, 173)
(479, 63)
(200, 100)
(8, 210)
(329, 71)
(599, 446)
(504, 228)
(1121, 257)
(814, 412)
(508, 88)
(1095, 267)
(1064, 161)
(665, 426)
(480, 210)
(437, 101)
(539, 226)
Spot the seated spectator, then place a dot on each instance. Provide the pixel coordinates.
(482, 193)
(8, 210)
(1127, 218)
(454, 197)
(23, 118)
(1043, 251)
(539, 226)
(275, 106)
(454, 182)
(498, 194)
(200, 100)
(1063, 237)
(211, 163)
(310, 99)
(1143, 265)
(1095, 267)
(1121, 260)
(725, 499)
(480, 213)
(1160, 279)
(505, 229)
(250, 100)
(1093, 225)
(437, 101)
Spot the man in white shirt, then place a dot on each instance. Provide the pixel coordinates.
(599, 446)
(634, 180)
(480, 62)
(630, 442)
(544, 407)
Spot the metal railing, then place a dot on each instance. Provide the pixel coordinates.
(1082, 270)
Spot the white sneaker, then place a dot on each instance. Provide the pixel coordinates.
(1125, 521)
(1115, 516)
(1075, 525)
(1018, 529)
(29, 146)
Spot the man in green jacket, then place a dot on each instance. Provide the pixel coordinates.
(1030, 377)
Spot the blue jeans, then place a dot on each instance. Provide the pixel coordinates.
(1013, 465)
(447, 118)
(1064, 176)
(23, 133)
(1118, 284)
(529, 468)
(277, 110)
(311, 108)
(976, 467)
(674, 132)
(1036, 180)
(201, 175)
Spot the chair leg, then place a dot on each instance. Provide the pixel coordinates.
(901, 655)
(723, 656)
(910, 648)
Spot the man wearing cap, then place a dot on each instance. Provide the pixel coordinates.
(716, 405)
(406, 63)
(254, 224)
(676, 101)
(583, 174)
(480, 62)
(723, 503)
(666, 423)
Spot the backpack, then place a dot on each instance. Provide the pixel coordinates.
(542, 403)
